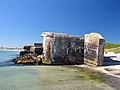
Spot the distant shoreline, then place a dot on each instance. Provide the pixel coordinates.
(11, 50)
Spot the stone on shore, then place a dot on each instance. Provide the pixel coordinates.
(28, 59)
(30, 55)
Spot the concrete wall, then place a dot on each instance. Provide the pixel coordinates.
(93, 49)
(62, 48)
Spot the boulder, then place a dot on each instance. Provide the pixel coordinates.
(26, 59)
(39, 60)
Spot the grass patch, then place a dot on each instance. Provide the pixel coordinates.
(111, 45)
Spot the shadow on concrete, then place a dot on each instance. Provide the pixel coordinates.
(109, 62)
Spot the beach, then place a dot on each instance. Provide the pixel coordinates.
(111, 65)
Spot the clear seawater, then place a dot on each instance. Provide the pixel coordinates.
(22, 77)
(7, 56)
(17, 77)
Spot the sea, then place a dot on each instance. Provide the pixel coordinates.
(23, 77)
(17, 77)
(7, 56)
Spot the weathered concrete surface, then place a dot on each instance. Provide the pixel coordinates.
(24, 52)
(47, 47)
(76, 50)
(93, 49)
(36, 50)
(62, 49)
(27, 48)
(38, 44)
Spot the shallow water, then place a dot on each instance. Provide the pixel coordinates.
(14, 77)
(45, 78)
(18, 78)
(7, 56)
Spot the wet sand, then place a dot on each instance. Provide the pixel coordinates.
(113, 82)
(50, 78)
(111, 68)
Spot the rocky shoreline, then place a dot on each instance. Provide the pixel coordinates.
(30, 55)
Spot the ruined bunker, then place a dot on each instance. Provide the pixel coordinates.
(66, 49)
(93, 49)
(62, 48)
(59, 48)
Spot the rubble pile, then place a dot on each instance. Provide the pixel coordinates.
(30, 55)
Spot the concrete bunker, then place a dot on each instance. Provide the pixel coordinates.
(61, 48)
(93, 49)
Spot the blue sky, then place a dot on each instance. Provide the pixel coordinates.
(23, 21)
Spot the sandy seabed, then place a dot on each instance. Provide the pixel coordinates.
(47, 78)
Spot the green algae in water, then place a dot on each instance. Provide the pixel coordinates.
(89, 74)
(66, 78)
(46, 78)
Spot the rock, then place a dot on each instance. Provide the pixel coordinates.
(39, 60)
(29, 55)
(29, 58)
(94, 49)
(18, 62)
(34, 58)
